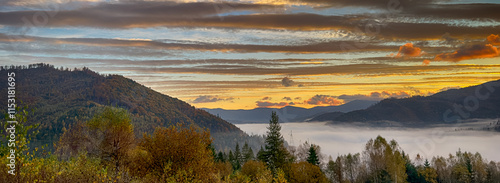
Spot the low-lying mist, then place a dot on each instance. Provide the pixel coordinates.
(428, 142)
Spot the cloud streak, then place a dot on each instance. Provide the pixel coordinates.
(322, 47)
(267, 104)
(210, 99)
(472, 51)
(144, 14)
(374, 96)
(469, 52)
(353, 69)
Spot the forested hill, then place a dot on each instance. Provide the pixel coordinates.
(481, 101)
(61, 97)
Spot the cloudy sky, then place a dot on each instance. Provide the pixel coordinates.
(263, 53)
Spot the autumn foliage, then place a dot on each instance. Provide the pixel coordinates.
(181, 153)
(104, 149)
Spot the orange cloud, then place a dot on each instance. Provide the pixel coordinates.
(408, 50)
(426, 62)
(324, 100)
(469, 52)
(494, 39)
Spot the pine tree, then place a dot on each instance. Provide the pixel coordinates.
(220, 157)
(231, 156)
(276, 155)
(427, 164)
(313, 157)
(247, 153)
(261, 154)
(237, 157)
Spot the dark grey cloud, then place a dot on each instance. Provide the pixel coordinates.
(322, 47)
(210, 99)
(267, 104)
(134, 14)
(374, 96)
(357, 69)
(287, 82)
(143, 14)
(266, 98)
(486, 11)
(420, 8)
(423, 31)
(205, 14)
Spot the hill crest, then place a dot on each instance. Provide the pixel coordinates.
(61, 97)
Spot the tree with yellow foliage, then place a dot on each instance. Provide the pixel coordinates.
(179, 154)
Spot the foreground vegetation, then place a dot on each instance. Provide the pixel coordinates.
(105, 149)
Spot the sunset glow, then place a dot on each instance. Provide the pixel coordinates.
(263, 53)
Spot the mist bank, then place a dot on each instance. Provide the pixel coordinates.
(428, 142)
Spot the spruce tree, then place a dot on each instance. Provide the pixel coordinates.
(247, 153)
(237, 157)
(261, 154)
(276, 155)
(313, 156)
(231, 156)
(427, 164)
(220, 157)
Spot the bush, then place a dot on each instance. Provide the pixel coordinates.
(256, 171)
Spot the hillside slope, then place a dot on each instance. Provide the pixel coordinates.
(481, 101)
(62, 97)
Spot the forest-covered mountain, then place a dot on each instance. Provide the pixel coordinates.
(287, 114)
(480, 101)
(61, 97)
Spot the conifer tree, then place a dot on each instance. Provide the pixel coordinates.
(276, 155)
(247, 153)
(220, 157)
(237, 157)
(231, 156)
(427, 164)
(313, 156)
(261, 154)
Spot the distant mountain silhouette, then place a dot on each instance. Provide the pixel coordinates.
(481, 101)
(61, 97)
(286, 114)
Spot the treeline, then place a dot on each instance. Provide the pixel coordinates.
(105, 149)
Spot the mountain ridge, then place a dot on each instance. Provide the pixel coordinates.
(479, 101)
(287, 114)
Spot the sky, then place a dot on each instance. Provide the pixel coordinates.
(246, 54)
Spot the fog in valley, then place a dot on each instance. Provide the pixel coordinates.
(428, 142)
